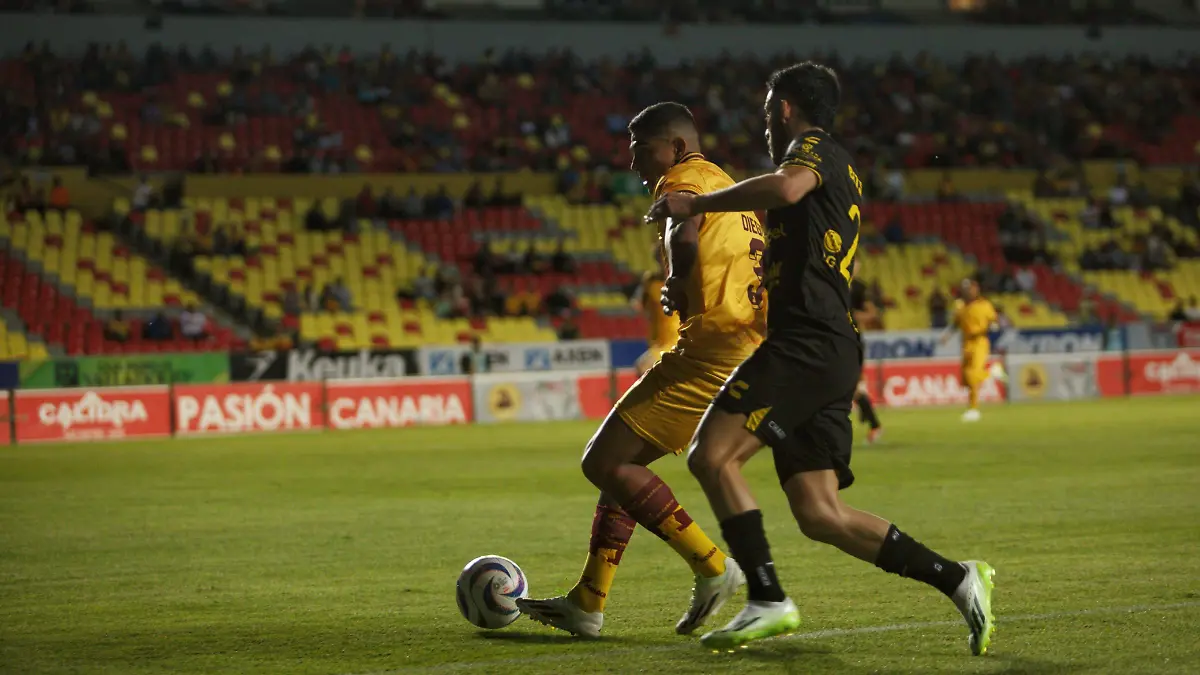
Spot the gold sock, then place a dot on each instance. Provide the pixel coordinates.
(611, 531)
(657, 510)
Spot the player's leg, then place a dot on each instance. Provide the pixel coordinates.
(866, 412)
(724, 442)
(652, 503)
(820, 470)
(616, 461)
(974, 373)
(581, 610)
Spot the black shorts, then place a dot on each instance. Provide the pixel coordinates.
(796, 395)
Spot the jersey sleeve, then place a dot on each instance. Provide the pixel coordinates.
(806, 151)
(680, 178)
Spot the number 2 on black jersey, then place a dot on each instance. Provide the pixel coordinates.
(846, 269)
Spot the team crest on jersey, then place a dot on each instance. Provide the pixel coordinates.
(833, 241)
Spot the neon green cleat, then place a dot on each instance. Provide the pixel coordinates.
(974, 599)
(756, 621)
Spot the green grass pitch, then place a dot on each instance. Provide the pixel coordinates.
(337, 553)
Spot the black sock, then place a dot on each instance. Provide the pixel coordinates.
(748, 545)
(903, 555)
(866, 410)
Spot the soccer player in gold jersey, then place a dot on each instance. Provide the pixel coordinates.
(714, 284)
(973, 317)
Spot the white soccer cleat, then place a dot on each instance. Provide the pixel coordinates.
(974, 600)
(756, 621)
(563, 614)
(709, 594)
(971, 415)
(998, 373)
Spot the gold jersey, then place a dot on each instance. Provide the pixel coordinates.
(973, 319)
(663, 328)
(725, 299)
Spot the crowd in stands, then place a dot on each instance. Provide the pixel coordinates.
(1038, 112)
(559, 113)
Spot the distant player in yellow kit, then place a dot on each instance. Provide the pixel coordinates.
(714, 284)
(662, 328)
(973, 317)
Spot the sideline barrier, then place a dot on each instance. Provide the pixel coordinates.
(107, 413)
(103, 413)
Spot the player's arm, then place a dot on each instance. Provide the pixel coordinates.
(683, 250)
(951, 327)
(786, 186)
(867, 315)
(639, 294)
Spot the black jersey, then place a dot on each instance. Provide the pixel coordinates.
(811, 244)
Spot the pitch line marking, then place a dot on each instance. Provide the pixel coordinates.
(694, 646)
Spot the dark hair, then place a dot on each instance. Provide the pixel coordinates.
(812, 88)
(661, 117)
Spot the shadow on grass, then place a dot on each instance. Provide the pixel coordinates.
(796, 658)
(552, 638)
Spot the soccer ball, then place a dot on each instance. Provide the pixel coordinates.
(487, 591)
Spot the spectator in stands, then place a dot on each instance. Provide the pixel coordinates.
(423, 286)
(116, 328)
(453, 303)
(569, 328)
(1154, 256)
(1026, 280)
(532, 262)
(193, 324)
(293, 305)
(947, 191)
(439, 205)
(938, 315)
(478, 298)
(157, 328)
(389, 204)
(143, 194)
(893, 232)
(365, 205)
(412, 207)
(473, 199)
(1189, 198)
(501, 197)
(337, 297)
(315, 220)
(562, 262)
(1118, 194)
(475, 360)
(60, 198)
(485, 261)
(558, 301)
(1178, 313)
(311, 300)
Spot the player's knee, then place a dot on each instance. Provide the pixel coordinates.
(595, 465)
(700, 462)
(821, 522)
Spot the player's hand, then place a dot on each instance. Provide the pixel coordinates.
(673, 298)
(677, 205)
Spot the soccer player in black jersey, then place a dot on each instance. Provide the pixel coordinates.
(864, 312)
(794, 391)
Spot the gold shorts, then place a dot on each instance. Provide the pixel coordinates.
(974, 366)
(665, 405)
